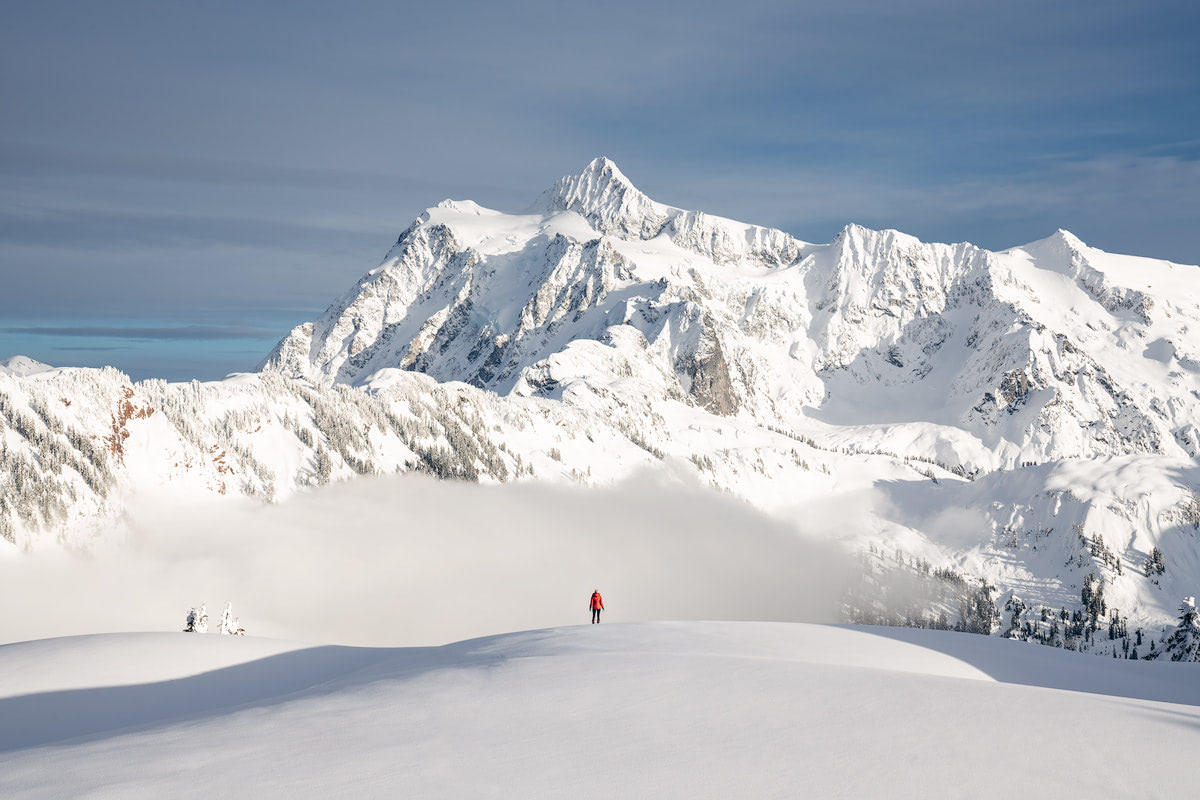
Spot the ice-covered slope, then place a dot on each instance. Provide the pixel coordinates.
(655, 709)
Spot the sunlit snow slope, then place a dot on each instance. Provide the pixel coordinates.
(635, 710)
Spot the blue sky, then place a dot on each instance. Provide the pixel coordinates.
(180, 183)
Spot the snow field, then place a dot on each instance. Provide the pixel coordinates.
(625, 710)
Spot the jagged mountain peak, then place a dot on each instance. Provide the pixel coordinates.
(607, 200)
(855, 233)
(463, 207)
(603, 168)
(1068, 238)
(613, 206)
(600, 180)
(1061, 240)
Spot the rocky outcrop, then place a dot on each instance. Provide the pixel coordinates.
(708, 377)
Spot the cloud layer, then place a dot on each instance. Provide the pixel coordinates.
(408, 560)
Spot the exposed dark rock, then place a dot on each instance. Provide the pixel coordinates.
(711, 385)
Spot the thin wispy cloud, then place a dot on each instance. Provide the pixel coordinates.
(182, 332)
(39, 162)
(91, 349)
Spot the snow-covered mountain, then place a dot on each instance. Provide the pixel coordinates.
(21, 366)
(1028, 417)
(979, 359)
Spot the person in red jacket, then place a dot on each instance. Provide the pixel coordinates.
(597, 606)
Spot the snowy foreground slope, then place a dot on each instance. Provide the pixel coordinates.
(625, 710)
(1025, 418)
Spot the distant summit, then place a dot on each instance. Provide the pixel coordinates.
(22, 366)
(1016, 356)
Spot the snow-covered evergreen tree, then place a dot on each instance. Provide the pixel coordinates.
(202, 619)
(229, 623)
(1184, 642)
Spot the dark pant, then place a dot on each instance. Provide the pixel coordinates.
(596, 615)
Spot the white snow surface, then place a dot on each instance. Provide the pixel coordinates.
(21, 366)
(625, 710)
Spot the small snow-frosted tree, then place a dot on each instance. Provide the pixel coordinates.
(1184, 642)
(1156, 564)
(202, 619)
(229, 623)
(322, 466)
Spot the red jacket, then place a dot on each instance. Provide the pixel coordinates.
(597, 601)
